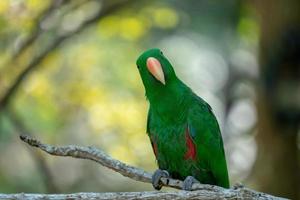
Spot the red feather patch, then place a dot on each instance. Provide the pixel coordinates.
(191, 148)
(154, 146)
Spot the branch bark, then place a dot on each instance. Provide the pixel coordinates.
(201, 191)
(180, 195)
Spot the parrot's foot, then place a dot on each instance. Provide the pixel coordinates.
(188, 183)
(156, 182)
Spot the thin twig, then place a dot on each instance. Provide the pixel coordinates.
(37, 156)
(94, 154)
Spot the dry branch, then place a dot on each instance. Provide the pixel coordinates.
(201, 191)
(180, 195)
(38, 158)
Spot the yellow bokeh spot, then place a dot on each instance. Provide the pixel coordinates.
(38, 86)
(89, 60)
(27, 24)
(4, 6)
(36, 4)
(51, 60)
(122, 153)
(132, 28)
(248, 29)
(109, 26)
(165, 18)
(100, 117)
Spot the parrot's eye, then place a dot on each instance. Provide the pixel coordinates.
(138, 66)
(161, 53)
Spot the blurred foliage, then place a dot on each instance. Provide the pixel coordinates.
(88, 91)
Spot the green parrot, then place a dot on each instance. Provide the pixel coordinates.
(184, 132)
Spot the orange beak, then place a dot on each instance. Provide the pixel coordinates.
(155, 69)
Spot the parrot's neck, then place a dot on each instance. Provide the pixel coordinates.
(171, 103)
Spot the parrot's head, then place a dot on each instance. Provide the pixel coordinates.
(156, 71)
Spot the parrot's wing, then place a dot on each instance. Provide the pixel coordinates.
(152, 140)
(148, 121)
(205, 132)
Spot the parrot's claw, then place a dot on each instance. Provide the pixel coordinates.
(188, 183)
(156, 182)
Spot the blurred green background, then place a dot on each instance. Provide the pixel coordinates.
(68, 76)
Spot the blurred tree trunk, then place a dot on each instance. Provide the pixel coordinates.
(276, 170)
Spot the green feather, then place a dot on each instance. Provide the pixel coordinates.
(174, 108)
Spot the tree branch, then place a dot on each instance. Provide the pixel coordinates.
(201, 191)
(153, 195)
(39, 159)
